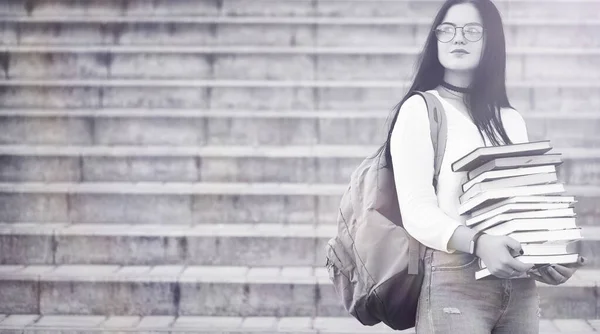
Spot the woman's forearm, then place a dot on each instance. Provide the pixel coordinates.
(461, 239)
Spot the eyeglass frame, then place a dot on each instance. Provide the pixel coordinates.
(461, 29)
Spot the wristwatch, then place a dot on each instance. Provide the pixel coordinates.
(473, 243)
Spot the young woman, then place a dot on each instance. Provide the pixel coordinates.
(463, 63)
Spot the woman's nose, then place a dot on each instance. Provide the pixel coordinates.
(459, 37)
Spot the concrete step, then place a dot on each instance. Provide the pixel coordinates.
(213, 244)
(170, 203)
(351, 19)
(261, 63)
(259, 245)
(285, 128)
(255, 164)
(561, 9)
(159, 50)
(284, 31)
(529, 115)
(57, 324)
(219, 291)
(319, 164)
(224, 113)
(198, 203)
(538, 95)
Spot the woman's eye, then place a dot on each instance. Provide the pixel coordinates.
(473, 29)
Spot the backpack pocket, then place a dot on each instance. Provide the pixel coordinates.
(341, 271)
(336, 260)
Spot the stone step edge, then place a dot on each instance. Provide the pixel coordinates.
(208, 188)
(223, 113)
(272, 50)
(308, 151)
(269, 83)
(439, 1)
(233, 230)
(301, 275)
(286, 20)
(243, 230)
(210, 324)
(230, 151)
(175, 188)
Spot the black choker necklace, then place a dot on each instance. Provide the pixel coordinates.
(455, 88)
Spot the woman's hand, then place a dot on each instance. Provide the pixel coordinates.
(495, 252)
(557, 274)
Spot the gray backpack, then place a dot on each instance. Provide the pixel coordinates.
(374, 264)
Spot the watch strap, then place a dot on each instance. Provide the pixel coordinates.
(473, 245)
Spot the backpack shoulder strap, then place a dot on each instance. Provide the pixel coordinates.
(438, 130)
(439, 133)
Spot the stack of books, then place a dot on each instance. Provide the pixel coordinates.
(513, 190)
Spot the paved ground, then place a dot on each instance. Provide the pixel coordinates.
(184, 324)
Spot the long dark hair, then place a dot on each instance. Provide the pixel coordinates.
(488, 87)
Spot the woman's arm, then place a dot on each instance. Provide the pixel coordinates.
(412, 157)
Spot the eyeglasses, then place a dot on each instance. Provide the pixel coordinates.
(472, 32)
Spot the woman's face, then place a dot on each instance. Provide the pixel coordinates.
(460, 38)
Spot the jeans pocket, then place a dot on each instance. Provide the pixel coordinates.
(455, 261)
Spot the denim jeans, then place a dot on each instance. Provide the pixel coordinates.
(452, 301)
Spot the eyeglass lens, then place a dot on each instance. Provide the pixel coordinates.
(471, 32)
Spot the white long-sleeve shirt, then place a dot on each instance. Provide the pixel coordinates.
(431, 218)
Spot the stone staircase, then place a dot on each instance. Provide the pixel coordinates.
(175, 166)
